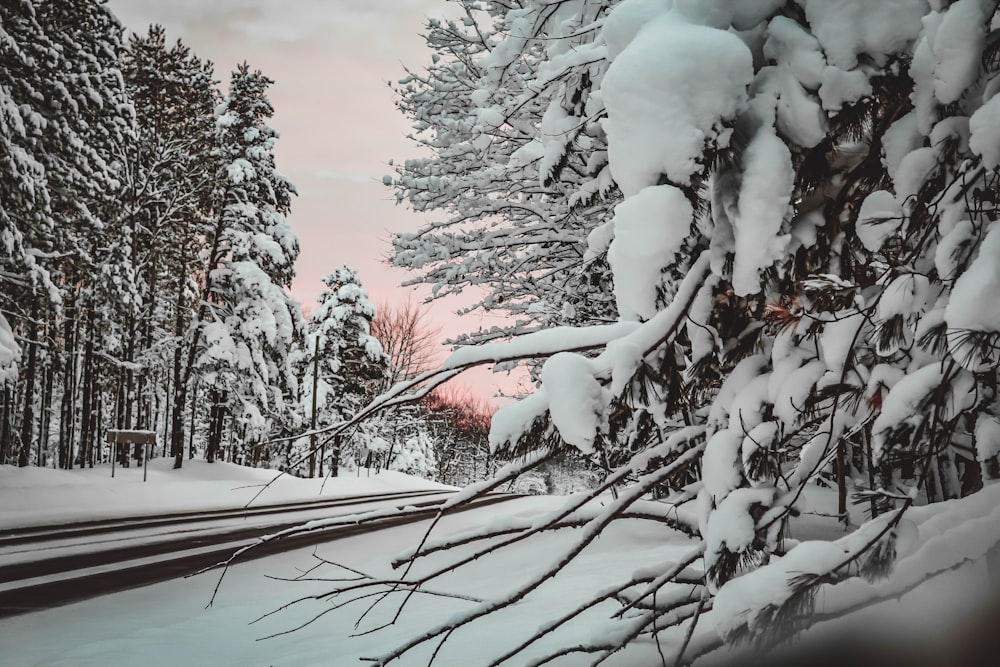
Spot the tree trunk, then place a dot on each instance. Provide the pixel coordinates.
(129, 393)
(194, 398)
(6, 445)
(183, 375)
(214, 427)
(335, 457)
(86, 421)
(28, 415)
(46, 408)
(179, 395)
(312, 436)
(99, 426)
(67, 413)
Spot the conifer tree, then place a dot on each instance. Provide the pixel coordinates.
(246, 324)
(168, 185)
(64, 109)
(343, 362)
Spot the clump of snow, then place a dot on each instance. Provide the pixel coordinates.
(762, 436)
(842, 87)
(510, 421)
(977, 287)
(838, 338)
(850, 28)
(720, 464)
(791, 45)
(914, 170)
(812, 454)
(625, 21)
(240, 170)
(951, 249)
(667, 94)
(575, 398)
(799, 69)
(987, 439)
(649, 229)
(731, 526)
(702, 336)
(557, 130)
(740, 14)
(10, 353)
(882, 376)
(984, 129)
(737, 602)
(902, 137)
(922, 72)
(958, 46)
(879, 218)
(906, 294)
(738, 378)
(792, 394)
(747, 408)
(768, 179)
(904, 401)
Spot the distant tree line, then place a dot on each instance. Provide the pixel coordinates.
(146, 257)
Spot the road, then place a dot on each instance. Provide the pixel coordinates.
(47, 566)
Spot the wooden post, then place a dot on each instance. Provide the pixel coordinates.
(312, 436)
(114, 452)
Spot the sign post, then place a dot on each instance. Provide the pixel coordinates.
(145, 438)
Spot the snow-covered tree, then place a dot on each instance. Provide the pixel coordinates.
(802, 243)
(135, 218)
(168, 184)
(343, 361)
(63, 107)
(518, 164)
(246, 325)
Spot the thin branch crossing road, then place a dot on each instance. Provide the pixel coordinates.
(47, 566)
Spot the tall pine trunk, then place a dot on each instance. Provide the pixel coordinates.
(30, 373)
(67, 413)
(87, 400)
(6, 433)
(46, 406)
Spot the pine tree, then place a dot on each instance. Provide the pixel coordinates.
(64, 110)
(242, 337)
(518, 165)
(168, 186)
(343, 362)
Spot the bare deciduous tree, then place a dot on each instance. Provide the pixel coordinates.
(409, 338)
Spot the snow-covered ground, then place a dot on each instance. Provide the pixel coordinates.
(172, 623)
(34, 496)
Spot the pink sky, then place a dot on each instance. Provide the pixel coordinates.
(330, 60)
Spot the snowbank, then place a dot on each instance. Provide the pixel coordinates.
(32, 496)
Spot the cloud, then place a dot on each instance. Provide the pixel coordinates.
(346, 176)
(269, 21)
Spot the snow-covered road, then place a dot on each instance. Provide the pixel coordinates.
(42, 567)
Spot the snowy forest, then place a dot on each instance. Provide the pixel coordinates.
(747, 250)
(146, 262)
